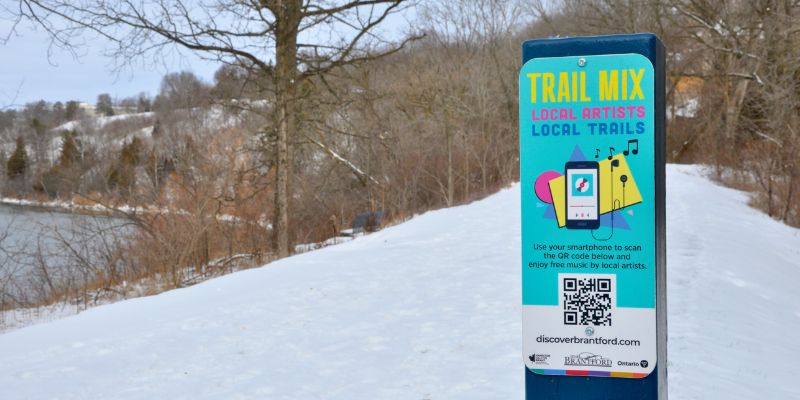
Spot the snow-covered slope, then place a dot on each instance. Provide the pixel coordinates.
(424, 310)
(101, 121)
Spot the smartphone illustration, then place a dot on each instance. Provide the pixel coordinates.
(583, 194)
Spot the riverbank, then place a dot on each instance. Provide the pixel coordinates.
(62, 207)
(103, 210)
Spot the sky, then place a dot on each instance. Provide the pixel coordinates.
(31, 70)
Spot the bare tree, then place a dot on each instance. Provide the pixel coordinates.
(246, 33)
(181, 90)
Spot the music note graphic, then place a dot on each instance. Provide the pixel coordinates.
(597, 153)
(635, 151)
(611, 151)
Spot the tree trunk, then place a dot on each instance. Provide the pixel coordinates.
(769, 195)
(789, 197)
(467, 174)
(288, 15)
(450, 180)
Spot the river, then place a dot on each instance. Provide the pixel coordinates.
(39, 248)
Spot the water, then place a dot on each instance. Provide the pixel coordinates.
(42, 250)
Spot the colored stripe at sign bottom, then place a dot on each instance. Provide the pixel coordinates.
(572, 372)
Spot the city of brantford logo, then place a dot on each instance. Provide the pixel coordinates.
(539, 358)
(582, 185)
(587, 359)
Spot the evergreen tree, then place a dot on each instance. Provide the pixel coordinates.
(3, 159)
(131, 153)
(62, 178)
(18, 162)
(122, 174)
(69, 151)
(38, 126)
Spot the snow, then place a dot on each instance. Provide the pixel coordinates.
(306, 247)
(21, 317)
(99, 122)
(734, 304)
(99, 134)
(429, 309)
(686, 108)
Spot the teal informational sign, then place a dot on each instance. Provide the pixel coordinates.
(587, 172)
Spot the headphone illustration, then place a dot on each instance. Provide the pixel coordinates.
(615, 204)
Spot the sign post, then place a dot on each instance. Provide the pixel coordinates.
(592, 150)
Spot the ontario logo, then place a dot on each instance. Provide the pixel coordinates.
(587, 359)
(539, 358)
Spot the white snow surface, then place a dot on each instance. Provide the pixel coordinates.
(429, 309)
(101, 121)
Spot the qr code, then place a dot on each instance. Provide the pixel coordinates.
(587, 300)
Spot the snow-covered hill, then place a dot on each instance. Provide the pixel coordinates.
(101, 121)
(424, 310)
(110, 133)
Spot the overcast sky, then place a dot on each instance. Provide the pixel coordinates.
(30, 70)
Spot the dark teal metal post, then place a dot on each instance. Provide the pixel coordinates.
(654, 386)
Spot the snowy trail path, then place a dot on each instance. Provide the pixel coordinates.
(428, 309)
(734, 294)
